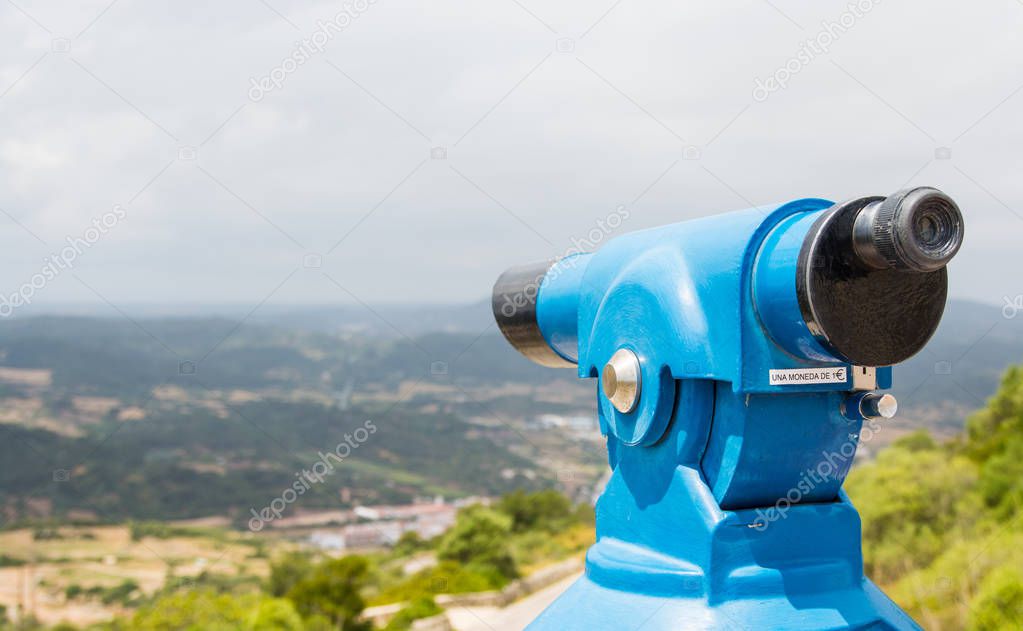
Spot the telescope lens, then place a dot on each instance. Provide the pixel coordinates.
(937, 228)
(927, 230)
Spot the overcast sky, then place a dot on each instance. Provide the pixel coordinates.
(548, 116)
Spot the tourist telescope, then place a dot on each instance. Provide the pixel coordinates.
(739, 360)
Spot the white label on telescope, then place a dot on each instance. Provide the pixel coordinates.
(802, 376)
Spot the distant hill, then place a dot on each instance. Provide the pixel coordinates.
(955, 373)
(193, 462)
(188, 417)
(378, 320)
(257, 400)
(961, 367)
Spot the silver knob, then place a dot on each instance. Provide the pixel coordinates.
(621, 380)
(873, 405)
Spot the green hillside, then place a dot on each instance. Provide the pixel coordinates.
(181, 463)
(943, 523)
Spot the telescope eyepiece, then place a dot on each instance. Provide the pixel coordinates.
(918, 229)
(871, 277)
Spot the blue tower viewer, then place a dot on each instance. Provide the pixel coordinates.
(739, 359)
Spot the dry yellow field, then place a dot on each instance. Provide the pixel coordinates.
(105, 557)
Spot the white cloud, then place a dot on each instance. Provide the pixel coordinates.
(558, 144)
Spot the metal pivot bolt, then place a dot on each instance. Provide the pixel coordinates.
(873, 405)
(621, 380)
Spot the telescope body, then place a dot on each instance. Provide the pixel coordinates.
(738, 358)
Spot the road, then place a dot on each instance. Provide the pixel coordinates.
(511, 618)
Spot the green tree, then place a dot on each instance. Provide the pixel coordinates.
(419, 608)
(203, 610)
(480, 537)
(275, 614)
(995, 441)
(447, 577)
(409, 543)
(999, 604)
(911, 501)
(332, 590)
(547, 510)
(941, 523)
(1001, 479)
(920, 440)
(989, 430)
(287, 571)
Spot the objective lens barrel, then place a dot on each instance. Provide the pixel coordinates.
(514, 303)
(537, 309)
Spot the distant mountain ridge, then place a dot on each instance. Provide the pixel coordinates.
(232, 408)
(386, 344)
(379, 320)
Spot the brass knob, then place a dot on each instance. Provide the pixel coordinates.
(621, 380)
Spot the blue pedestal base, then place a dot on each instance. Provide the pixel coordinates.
(668, 556)
(589, 606)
